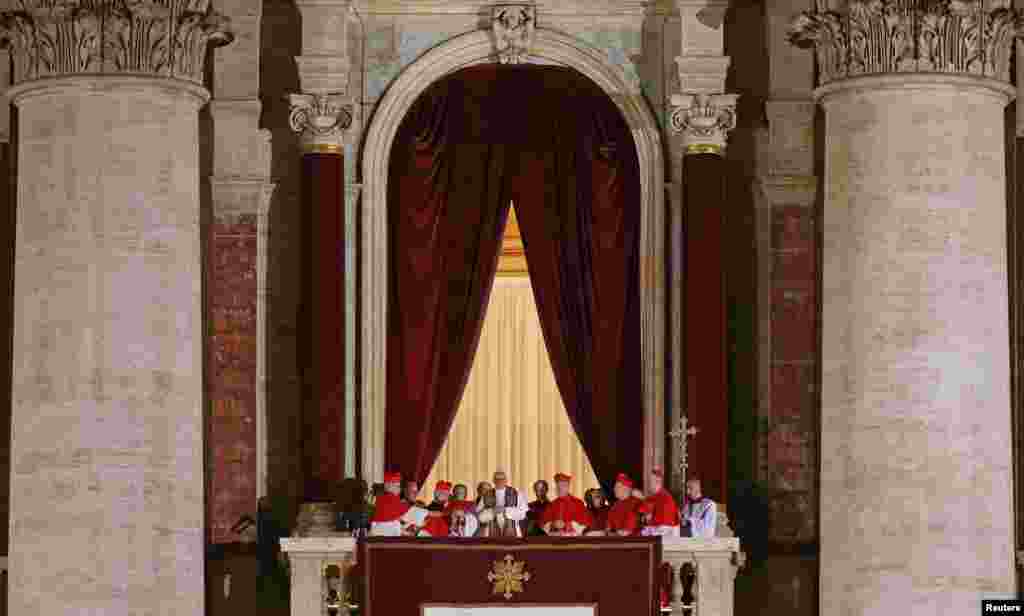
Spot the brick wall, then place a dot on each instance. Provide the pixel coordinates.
(789, 459)
(231, 352)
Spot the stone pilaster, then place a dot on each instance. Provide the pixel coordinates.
(787, 245)
(915, 446)
(240, 193)
(107, 414)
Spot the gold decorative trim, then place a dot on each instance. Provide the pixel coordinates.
(703, 148)
(508, 576)
(322, 148)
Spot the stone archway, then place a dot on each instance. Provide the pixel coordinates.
(469, 49)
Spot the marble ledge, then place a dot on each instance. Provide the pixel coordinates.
(317, 545)
(320, 545)
(544, 7)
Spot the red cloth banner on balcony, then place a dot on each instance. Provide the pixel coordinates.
(618, 576)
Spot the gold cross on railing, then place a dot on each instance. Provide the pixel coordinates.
(680, 435)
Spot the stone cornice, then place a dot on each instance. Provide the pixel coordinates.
(865, 37)
(160, 38)
(240, 196)
(799, 190)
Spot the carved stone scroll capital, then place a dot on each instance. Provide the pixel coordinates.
(320, 120)
(704, 120)
(514, 27)
(159, 38)
(865, 37)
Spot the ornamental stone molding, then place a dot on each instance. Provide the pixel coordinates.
(704, 120)
(514, 27)
(702, 113)
(864, 37)
(160, 38)
(320, 120)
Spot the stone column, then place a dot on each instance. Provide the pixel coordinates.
(107, 439)
(916, 457)
(321, 114)
(703, 116)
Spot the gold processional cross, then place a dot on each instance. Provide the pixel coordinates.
(680, 435)
(508, 576)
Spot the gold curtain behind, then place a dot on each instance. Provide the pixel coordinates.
(511, 416)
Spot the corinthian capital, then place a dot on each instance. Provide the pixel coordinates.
(320, 120)
(863, 37)
(704, 121)
(162, 38)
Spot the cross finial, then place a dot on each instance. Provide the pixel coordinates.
(680, 435)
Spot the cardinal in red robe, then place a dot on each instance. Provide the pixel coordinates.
(660, 508)
(662, 519)
(459, 502)
(389, 508)
(437, 520)
(623, 519)
(566, 515)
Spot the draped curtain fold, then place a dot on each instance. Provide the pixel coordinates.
(553, 141)
(511, 416)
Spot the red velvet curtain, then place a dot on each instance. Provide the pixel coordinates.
(447, 206)
(550, 139)
(577, 195)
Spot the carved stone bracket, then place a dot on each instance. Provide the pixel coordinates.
(704, 121)
(166, 38)
(866, 37)
(320, 120)
(514, 27)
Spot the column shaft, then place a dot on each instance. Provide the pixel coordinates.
(704, 327)
(107, 442)
(323, 369)
(916, 514)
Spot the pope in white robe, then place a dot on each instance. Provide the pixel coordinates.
(511, 505)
